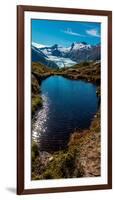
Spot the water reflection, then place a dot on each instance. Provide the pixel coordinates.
(67, 105)
(39, 125)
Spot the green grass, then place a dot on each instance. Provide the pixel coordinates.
(40, 68)
(35, 151)
(67, 163)
(88, 71)
(36, 102)
(36, 97)
(62, 165)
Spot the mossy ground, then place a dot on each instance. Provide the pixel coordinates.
(88, 71)
(59, 165)
(36, 102)
(80, 159)
(82, 156)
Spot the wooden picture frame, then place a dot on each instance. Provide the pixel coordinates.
(21, 42)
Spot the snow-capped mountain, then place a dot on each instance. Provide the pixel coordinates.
(81, 52)
(37, 45)
(57, 56)
(51, 56)
(39, 56)
(81, 45)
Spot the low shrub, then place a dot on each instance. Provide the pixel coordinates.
(36, 102)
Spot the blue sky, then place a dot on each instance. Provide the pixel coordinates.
(49, 32)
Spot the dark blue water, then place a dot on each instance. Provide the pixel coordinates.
(68, 105)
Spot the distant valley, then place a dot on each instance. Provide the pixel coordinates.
(58, 57)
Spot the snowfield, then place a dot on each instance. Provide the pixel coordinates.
(61, 62)
(57, 56)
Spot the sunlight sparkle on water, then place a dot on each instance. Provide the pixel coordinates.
(41, 118)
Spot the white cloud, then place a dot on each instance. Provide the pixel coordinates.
(93, 32)
(70, 32)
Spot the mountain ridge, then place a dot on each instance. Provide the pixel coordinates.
(58, 57)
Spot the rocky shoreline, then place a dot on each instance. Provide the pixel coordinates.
(82, 156)
(80, 159)
(89, 73)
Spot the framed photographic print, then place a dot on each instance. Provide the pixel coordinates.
(64, 99)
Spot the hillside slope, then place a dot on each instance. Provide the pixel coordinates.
(80, 159)
(82, 156)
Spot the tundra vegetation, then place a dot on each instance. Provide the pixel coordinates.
(81, 158)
